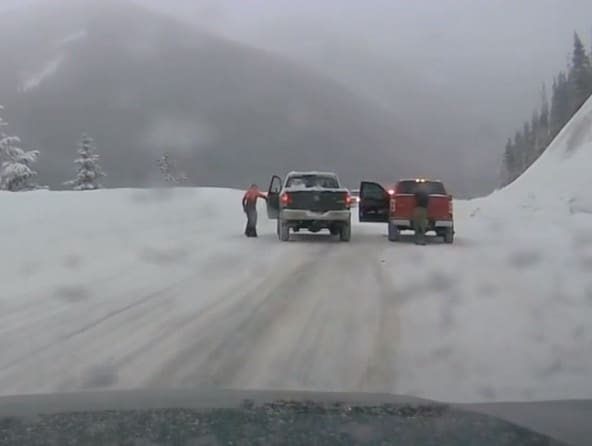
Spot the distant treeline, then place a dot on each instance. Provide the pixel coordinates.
(571, 88)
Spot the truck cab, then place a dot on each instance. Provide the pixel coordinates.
(395, 205)
(312, 201)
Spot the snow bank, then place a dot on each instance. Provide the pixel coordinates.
(53, 235)
(560, 180)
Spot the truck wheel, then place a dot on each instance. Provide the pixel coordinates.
(448, 235)
(393, 233)
(334, 230)
(345, 232)
(283, 231)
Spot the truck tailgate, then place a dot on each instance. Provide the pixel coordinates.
(317, 201)
(438, 206)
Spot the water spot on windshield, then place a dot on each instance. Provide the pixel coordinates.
(72, 293)
(525, 258)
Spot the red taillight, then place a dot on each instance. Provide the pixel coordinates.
(348, 199)
(285, 198)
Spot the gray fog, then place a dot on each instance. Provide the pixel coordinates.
(239, 90)
(461, 74)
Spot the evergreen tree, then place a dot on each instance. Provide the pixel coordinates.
(580, 75)
(16, 173)
(570, 90)
(509, 162)
(527, 148)
(535, 139)
(560, 105)
(544, 119)
(170, 173)
(89, 171)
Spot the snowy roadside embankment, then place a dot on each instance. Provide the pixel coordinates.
(559, 182)
(515, 301)
(57, 236)
(505, 314)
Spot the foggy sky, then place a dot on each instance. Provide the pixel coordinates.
(462, 72)
(460, 75)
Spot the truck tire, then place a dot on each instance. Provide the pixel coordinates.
(448, 235)
(335, 230)
(393, 233)
(345, 232)
(283, 231)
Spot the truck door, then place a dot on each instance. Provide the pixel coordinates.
(374, 203)
(273, 197)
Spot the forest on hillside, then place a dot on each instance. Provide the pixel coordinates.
(570, 89)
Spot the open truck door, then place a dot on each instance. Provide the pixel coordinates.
(374, 204)
(273, 197)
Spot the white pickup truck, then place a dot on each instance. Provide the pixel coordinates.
(311, 201)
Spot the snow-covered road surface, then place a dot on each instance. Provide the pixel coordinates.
(130, 289)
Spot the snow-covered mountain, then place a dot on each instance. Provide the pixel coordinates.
(142, 84)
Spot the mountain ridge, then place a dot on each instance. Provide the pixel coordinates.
(231, 114)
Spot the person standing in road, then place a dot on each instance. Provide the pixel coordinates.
(420, 213)
(250, 209)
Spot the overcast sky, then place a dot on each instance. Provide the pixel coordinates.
(460, 74)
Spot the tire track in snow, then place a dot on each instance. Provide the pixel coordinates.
(223, 340)
(311, 328)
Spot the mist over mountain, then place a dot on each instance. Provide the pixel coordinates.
(141, 83)
(456, 74)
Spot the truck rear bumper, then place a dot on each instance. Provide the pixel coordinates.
(408, 223)
(303, 215)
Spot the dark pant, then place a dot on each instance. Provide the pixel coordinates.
(251, 228)
(420, 223)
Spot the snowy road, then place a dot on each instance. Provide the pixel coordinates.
(213, 315)
(132, 289)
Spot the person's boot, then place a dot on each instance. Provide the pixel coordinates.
(419, 238)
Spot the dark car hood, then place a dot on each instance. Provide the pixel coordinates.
(566, 421)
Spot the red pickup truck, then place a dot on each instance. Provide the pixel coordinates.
(395, 206)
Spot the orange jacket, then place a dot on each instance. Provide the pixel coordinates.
(251, 195)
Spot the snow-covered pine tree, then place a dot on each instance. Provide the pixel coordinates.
(168, 168)
(89, 170)
(16, 173)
